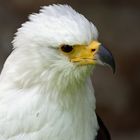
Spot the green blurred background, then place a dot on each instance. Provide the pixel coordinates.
(118, 22)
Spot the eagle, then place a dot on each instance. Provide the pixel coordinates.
(45, 87)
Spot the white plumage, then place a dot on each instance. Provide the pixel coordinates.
(43, 96)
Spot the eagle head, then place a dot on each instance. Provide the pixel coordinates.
(57, 44)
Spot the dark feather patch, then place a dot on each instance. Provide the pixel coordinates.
(103, 133)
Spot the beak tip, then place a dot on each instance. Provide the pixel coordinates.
(112, 66)
(107, 58)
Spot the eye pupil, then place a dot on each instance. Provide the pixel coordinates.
(66, 48)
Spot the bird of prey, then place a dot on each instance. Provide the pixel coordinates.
(45, 87)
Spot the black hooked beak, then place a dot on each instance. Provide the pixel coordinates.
(106, 57)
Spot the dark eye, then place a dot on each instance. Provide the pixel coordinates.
(67, 48)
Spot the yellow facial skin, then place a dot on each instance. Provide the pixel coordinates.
(83, 54)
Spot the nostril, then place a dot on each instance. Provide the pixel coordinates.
(93, 50)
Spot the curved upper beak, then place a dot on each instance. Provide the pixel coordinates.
(104, 56)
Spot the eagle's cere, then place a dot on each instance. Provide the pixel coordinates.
(45, 87)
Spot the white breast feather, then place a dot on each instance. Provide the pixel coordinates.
(42, 95)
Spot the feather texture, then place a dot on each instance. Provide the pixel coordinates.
(43, 96)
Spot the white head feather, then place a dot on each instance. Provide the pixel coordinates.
(55, 25)
(36, 71)
(36, 58)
